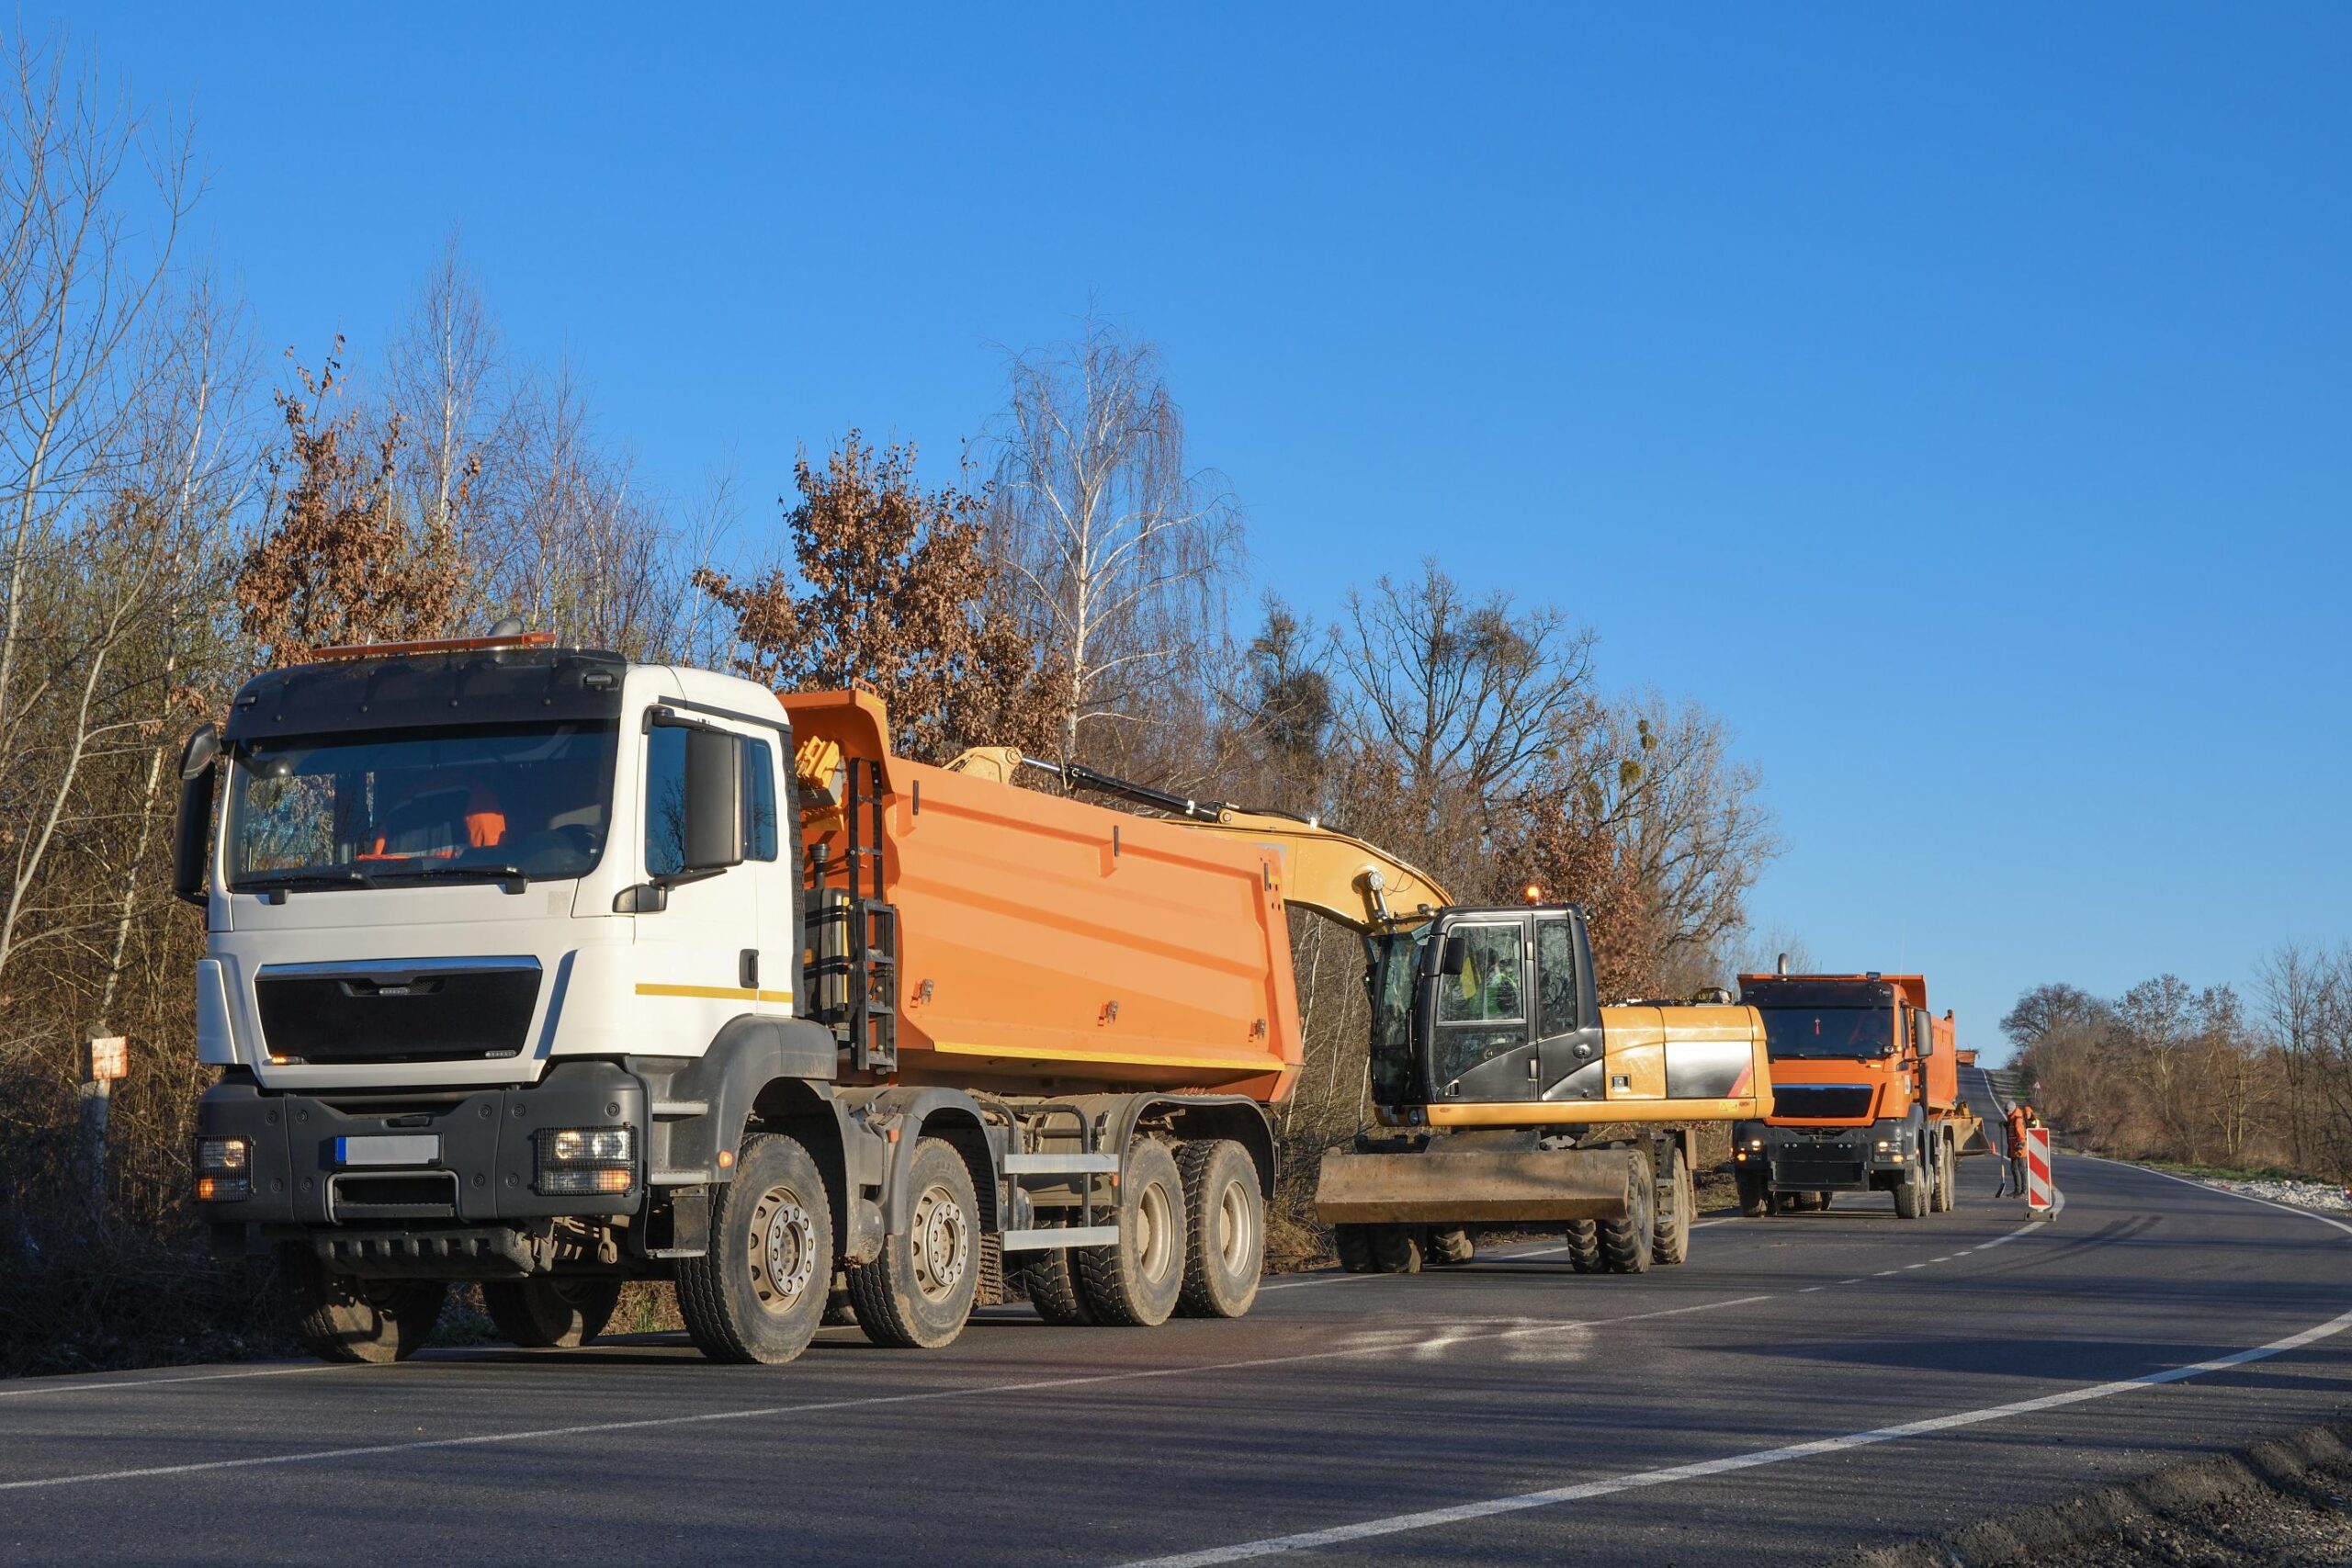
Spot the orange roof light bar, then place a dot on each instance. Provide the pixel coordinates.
(435, 644)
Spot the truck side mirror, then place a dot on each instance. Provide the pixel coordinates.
(714, 800)
(1454, 957)
(192, 835)
(1924, 1029)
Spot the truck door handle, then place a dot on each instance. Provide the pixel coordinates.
(749, 969)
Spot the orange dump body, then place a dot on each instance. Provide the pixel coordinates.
(1050, 946)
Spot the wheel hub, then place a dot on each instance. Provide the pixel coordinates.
(784, 1250)
(943, 1244)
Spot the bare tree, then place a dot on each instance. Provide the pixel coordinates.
(446, 388)
(1116, 548)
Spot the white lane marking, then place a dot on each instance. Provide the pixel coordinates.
(1399, 1523)
(707, 1417)
(1810, 1289)
(124, 1384)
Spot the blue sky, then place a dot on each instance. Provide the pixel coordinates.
(1958, 399)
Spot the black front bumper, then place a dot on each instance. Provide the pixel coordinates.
(1830, 1159)
(483, 1172)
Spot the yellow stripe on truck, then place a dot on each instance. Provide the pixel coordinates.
(714, 993)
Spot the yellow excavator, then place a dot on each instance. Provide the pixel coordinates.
(1509, 1096)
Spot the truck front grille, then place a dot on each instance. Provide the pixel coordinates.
(1822, 1102)
(399, 1010)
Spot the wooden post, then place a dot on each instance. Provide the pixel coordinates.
(104, 1057)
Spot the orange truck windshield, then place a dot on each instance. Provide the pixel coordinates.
(1792, 1034)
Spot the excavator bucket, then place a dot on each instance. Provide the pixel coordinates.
(1480, 1187)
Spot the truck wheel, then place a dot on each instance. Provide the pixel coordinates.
(1225, 1244)
(1135, 1281)
(916, 1295)
(1353, 1244)
(1051, 1281)
(545, 1313)
(1799, 1202)
(1755, 1198)
(1625, 1243)
(758, 1293)
(1450, 1249)
(1670, 1239)
(1583, 1246)
(1947, 1178)
(1911, 1193)
(341, 1319)
(1821, 1202)
(1397, 1249)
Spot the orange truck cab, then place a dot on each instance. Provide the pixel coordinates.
(1865, 1091)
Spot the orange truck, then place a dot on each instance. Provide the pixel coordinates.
(1865, 1094)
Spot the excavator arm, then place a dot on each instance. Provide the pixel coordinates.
(1336, 874)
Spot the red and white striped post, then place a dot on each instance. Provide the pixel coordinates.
(2040, 1193)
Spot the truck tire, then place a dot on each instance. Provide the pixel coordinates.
(1947, 1178)
(547, 1313)
(758, 1293)
(1051, 1280)
(1583, 1246)
(1353, 1244)
(1671, 1237)
(1625, 1243)
(1397, 1249)
(1755, 1197)
(1135, 1282)
(1225, 1240)
(1800, 1203)
(918, 1292)
(341, 1319)
(1451, 1248)
(1911, 1193)
(1821, 1202)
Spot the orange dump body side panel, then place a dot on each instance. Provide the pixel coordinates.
(1050, 946)
(1943, 1067)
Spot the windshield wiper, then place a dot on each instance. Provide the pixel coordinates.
(510, 878)
(276, 884)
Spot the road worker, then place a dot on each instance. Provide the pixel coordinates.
(441, 817)
(2021, 1117)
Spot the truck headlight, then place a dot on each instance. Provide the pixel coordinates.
(574, 1161)
(1883, 1146)
(223, 1170)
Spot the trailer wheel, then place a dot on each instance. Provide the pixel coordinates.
(1135, 1281)
(1947, 1178)
(1755, 1197)
(1451, 1248)
(547, 1313)
(1625, 1243)
(1225, 1240)
(339, 1319)
(1583, 1246)
(1670, 1241)
(758, 1293)
(917, 1294)
(1397, 1249)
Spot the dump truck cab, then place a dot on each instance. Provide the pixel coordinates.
(1865, 1094)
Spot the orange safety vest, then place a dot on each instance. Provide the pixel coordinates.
(2017, 1134)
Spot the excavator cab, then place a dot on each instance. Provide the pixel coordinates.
(1484, 1007)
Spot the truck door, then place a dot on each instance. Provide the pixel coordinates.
(1567, 1022)
(705, 955)
(1481, 1052)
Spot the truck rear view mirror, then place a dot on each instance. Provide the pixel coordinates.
(1924, 1028)
(714, 800)
(192, 843)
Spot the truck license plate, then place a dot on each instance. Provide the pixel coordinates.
(396, 1148)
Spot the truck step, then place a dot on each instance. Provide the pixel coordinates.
(678, 1110)
(1047, 1240)
(677, 1252)
(1060, 1163)
(677, 1178)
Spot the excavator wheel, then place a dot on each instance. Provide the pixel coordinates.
(1671, 1236)
(1583, 1246)
(1353, 1244)
(1626, 1244)
(1397, 1249)
(1450, 1249)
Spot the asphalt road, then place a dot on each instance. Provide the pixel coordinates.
(1805, 1384)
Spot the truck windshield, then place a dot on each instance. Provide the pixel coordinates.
(1395, 967)
(1828, 1031)
(532, 801)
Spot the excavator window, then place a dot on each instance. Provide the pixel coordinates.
(1555, 979)
(1481, 1012)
